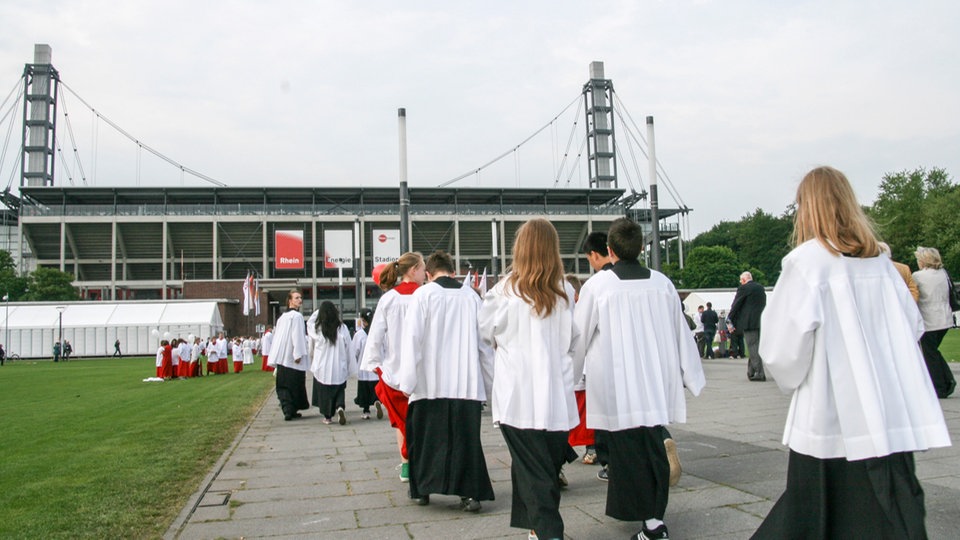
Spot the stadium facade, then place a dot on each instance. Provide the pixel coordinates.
(195, 242)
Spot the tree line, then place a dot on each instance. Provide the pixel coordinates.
(913, 208)
(42, 284)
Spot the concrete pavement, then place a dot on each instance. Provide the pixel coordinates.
(303, 479)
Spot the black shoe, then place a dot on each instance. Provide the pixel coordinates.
(297, 415)
(379, 410)
(421, 501)
(288, 417)
(602, 474)
(660, 533)
(469, 504)
(342, 418)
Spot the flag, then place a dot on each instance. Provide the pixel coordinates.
(482, 282)
(466, 280)
(256, 297)
(246, 295)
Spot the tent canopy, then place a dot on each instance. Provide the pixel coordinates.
(31, 329)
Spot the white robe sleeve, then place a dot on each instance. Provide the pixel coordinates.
(349, 351)
(586, 317)
(789, 323)
(411, 345)
(373, 351)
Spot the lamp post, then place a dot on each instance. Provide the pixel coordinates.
(6, 321)
(60, 327)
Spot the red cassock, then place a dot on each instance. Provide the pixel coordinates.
(581, 435)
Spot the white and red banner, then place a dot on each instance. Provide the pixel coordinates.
(337, 248)
(288, 250)
(386, 246)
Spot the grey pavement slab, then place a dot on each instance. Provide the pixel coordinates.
(304, 479)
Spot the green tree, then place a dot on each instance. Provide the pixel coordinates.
(710, 267)
(50, 284)
(12, 285)
(759, 241)
(941, 228)
(913, 208)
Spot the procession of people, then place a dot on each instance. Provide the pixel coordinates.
(607, 365)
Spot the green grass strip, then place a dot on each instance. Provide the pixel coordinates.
(91, 451)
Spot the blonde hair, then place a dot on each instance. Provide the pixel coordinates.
(393, 272)
(929, 258)
(827, 209)
(537, 271)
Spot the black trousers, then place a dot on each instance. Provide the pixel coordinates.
(443, 444)
(291, 390)
(639, 477)
(941, 376)
(536, 457)
(836, 498)
(328, 397)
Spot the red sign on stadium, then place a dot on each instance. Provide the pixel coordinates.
(288, 250)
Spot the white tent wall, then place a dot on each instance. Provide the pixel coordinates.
(93, 327)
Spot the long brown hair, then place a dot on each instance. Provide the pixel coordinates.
(827, 209)
(392, 272)
(537, 272)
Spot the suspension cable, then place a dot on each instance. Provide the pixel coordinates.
(566, 150)
(671, 188)
(73, 141)
(508, 152)
(142, 145)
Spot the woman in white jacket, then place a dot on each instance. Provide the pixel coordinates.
(528, 319)
(333, 356)
(840, 331)
(934, 302)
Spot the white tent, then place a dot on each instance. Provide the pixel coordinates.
(721, 300)
(31, 329)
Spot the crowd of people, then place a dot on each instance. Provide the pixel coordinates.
(183, 358)
(606, 364)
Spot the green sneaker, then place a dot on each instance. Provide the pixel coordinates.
(404, 472)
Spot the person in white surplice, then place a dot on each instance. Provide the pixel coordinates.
(290, 356)
(637, 355)
(447, 372)
(861, 405)
(527, 317)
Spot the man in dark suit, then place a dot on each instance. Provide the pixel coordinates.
(710, 320)
(745, 313)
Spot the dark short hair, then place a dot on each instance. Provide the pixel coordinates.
(709, 305)
(440, 260)
(625, 238)
(596, 241)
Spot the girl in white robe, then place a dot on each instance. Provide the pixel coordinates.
(840, 331)
(333, 356)
(527, 318)
(366, 380)
(382, 354)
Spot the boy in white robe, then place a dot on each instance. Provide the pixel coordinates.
(291, 358)
(637, 354)
(448, 374)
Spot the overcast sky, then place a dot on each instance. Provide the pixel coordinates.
(746, 95)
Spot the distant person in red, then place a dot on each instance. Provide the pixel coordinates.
(166, 367)
(265, 342)
(237, 356)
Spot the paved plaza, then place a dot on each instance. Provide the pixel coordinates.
(303, 479)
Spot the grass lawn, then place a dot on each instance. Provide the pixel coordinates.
(91, 451)
(951, 345)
